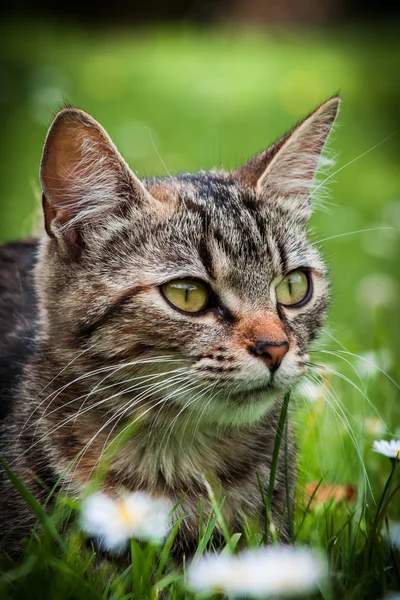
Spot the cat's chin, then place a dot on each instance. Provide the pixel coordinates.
(240, 408)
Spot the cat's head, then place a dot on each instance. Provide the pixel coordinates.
(208, 278)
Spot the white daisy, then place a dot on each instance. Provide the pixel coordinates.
(114, 521)
(390, 449)
(259, 572)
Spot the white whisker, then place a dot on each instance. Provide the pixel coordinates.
(350, 382)
(336, 407)
(190, 402)
(340, 235)
(117, 394)
(353, 161)
(65, 422)
(127, 408)
(114, 369)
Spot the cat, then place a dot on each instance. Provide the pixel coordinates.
(183, 304)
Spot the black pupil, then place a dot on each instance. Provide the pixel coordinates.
(289, 282)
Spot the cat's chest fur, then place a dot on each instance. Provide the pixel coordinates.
(191, 468)
(163, 456)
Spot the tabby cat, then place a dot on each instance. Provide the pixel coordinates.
(183, 304)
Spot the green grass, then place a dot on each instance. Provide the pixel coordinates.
(181, 99)
(58, 562)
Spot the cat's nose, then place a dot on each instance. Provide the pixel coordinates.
(271, 353)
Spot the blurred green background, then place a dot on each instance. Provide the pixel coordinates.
(179, 97)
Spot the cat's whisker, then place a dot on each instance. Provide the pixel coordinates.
(197, 398)
(213, 395)
(63, 423)
(362, 358)
(144, 381)
(86, 397)
(150, 390)
(134, 363)
(119, 417)
(347, 233)
(189, 403)
(111, 369)
(326, 332)
(144, 396)
(350, 382)
(320, 442)
(193, 380)
(340, 412)
(368, 362)
(80, 411)
(127, 408)
(353, 161)
(46, 386)
(333, 353)
(154, 386)
(334, 395)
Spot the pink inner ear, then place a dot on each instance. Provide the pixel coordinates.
(64, 166)
(81, 173)
(76, 158)
(85, 180)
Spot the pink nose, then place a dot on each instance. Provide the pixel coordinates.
(271, 353)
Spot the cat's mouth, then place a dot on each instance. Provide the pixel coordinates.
(262, 390)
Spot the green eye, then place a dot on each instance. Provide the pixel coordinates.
(293, 289)
(187, 294)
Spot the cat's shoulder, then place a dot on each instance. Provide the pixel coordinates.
(17, 314)
(17, 261)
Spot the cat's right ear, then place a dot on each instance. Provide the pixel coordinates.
(85, 180)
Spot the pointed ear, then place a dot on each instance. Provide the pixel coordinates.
(285, 173)
(84, 179)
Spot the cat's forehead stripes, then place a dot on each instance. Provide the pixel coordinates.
(232, 233)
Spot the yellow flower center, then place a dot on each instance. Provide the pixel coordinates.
(125, 514)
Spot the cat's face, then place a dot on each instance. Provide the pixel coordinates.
(208, 279)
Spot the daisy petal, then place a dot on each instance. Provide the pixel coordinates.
(274, 571)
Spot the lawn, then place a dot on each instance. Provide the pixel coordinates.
(181, 100)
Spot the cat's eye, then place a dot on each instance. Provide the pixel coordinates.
(294, 289)
(188, 295)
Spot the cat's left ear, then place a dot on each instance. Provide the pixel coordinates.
(284, 174)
